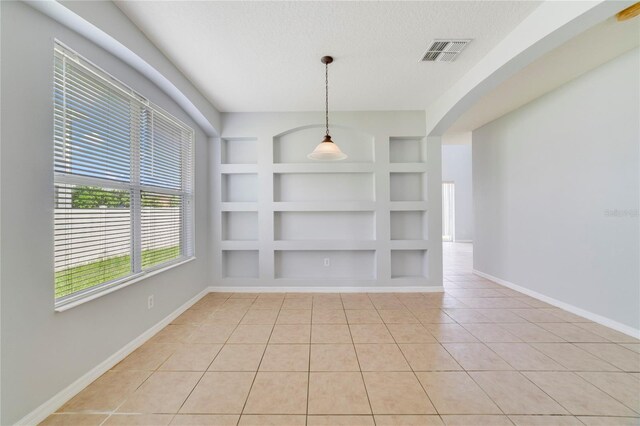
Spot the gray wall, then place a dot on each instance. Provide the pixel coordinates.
(556, 193)
(456, 167)
(43, 351)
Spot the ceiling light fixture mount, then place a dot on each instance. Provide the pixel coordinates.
(327, 150)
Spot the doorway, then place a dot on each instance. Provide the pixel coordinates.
(448, 211)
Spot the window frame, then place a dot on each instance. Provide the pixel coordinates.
(133, 185)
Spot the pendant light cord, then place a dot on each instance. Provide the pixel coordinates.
(326, 97)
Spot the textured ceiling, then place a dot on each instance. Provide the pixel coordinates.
(265, 56)
(588, 50)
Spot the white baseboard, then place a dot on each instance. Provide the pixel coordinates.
(463, 241)
(291, 289)
(55, 402)
(607, 322)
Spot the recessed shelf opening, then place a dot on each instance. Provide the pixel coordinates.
(293, 147)
(347, 225)
(325, 264)
(240, 264)
(239, 187)
(240, 226)
(408, 186)
(409, 225)
(407, 150)
(239, 151)
(323, 187)
(409, 264)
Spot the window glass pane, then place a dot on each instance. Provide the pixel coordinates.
(93, 123)
(161, 154)
(161, 228)
(92, 237)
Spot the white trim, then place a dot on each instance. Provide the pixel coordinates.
(462, 241)
(607, 322)
(326, 289)
(55, 402)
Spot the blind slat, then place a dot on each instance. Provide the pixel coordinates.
(105, 132)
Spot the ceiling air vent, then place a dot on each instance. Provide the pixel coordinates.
(444, 50)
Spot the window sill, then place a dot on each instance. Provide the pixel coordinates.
(72, 303)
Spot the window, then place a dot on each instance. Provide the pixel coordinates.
(123, 174)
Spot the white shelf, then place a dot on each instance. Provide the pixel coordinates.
(409, 244)
(239, 207)
(324, 282)
(239, 245)
(242, 282)
(324, 168)
(319, 206)
(238, 168)
(407, 167)
(408, 205)
(410, 281)
(324, 245)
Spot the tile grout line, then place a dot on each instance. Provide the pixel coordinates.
(306, 417)
(207, 369)
(364, 383)
(112, 413)
(489, 396)
(405, 358)
(635, 410)
(273, 326)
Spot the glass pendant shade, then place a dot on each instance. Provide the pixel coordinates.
(327, 151)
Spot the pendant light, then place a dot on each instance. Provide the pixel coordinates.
(327, 150)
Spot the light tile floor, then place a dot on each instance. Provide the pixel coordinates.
(479, 354)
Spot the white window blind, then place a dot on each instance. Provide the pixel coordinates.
(123, 174)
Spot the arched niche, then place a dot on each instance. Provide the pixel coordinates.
(292, 146)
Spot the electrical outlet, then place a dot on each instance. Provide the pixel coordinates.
(327, 261)
(150, 302)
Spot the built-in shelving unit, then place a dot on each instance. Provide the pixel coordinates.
(240, 264)
(408, 225)
(411, 264)
(287, 221)
(325, 225)
(240, 226)
(239, 187)
(239, 151)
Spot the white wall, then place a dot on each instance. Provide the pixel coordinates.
(370, 215)
(548, 180)
(456, 167)
(43, 351)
